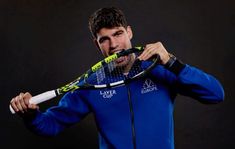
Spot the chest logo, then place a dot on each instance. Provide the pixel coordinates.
(108, 93)
(148, 86)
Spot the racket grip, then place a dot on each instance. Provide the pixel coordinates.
(39, 98)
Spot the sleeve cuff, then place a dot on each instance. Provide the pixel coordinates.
(176, 67)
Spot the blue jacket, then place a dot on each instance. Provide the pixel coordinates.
(138, 115)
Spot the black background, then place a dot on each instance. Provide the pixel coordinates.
(46, 43)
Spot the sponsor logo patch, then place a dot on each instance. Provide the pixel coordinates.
(148, 86)
(108, 93)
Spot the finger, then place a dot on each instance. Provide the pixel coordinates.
(148, 56)
(18, 104)
(143, 54)
(27, 97)
(22, 102)
(149, 52)
(13, 105)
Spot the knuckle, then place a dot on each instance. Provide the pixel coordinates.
(16, 98)
(159, 43)
(147, 45)
(12, 100)
(21, 95)
(27, 93)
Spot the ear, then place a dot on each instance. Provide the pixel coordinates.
(129, 32)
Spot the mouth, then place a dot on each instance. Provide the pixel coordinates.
(115, 51)
(121, 61)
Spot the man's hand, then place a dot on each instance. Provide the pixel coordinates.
(21, 104)
(155, 48)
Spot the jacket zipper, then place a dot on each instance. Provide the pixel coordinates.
(132, 117)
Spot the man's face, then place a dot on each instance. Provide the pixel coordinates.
(113, 40)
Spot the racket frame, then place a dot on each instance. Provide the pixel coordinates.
(74, 84)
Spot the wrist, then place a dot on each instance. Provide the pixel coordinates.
(170, 61)
(174, 65)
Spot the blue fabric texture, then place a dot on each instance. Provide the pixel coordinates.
(140, 112)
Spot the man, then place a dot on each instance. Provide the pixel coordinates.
(138, 115)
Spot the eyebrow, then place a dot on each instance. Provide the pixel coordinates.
(115, 33)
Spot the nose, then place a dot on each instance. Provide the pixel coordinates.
(113, 43)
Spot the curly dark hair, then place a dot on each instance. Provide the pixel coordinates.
(108, 17)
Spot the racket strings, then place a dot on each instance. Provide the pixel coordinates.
(135, 69)
(106, 74)
(100, 75)
(111, 73)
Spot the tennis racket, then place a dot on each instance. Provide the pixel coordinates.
(107, 73)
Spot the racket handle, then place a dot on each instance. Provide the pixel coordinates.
(39, 98)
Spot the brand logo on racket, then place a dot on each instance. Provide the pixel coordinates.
(148, 86)
(108, 93)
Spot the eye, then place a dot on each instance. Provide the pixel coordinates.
(103, 39)
(118, 33)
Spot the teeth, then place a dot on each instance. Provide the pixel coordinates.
(117, 52)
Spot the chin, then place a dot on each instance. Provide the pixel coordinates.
(124, 62)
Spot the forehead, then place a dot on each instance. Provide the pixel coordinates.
(108, 31)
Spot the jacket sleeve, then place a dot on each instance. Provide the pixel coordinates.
(70, 110)
(193, 82)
